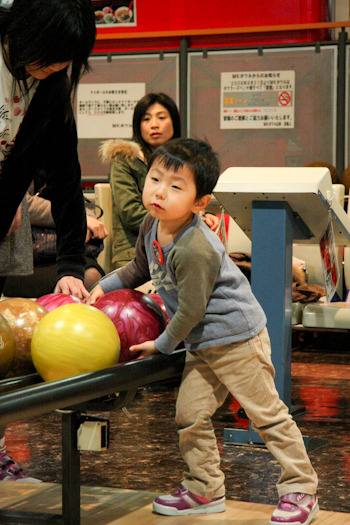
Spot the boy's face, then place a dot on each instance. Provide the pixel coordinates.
(170, 195)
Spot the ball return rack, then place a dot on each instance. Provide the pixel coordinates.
(28, 396)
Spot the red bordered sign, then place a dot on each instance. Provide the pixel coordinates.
(284, 98)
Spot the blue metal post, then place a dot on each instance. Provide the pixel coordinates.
(272, 239)
(271, 279)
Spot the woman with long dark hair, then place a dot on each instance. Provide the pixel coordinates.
(44, 49)
(45, 45)
(156, 120)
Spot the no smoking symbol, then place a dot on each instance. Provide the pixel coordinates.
(284, 98)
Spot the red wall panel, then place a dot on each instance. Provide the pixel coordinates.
(177, 15)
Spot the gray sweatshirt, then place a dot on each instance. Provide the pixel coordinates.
(207, 297)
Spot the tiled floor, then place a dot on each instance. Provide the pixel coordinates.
(143, 452)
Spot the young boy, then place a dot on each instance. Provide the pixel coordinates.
(212, 309)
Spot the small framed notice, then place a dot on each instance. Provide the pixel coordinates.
(106, 110)
(257, 100)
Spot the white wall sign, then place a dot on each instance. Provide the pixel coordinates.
(106, 110)
(257, 99)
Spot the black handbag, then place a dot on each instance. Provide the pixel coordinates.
(44, 244)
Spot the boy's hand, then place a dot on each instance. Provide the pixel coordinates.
(96, 293)
(147, 349)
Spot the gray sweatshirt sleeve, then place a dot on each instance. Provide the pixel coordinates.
(166, 344)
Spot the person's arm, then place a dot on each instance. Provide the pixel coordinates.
(16, 221)
(67, 203)
(127, 185)
(211, 220)
(40, 215)
(194, 284)
(95, 228)
(47, 139)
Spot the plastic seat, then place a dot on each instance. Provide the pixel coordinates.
(103, 197)
(330, 315)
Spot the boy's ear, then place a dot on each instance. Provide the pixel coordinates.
(201, 203)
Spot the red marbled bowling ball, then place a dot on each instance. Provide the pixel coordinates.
(136, 316)
(54, 300)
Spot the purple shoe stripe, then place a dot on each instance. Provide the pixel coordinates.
(196, 499)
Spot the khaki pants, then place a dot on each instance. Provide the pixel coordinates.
(245, 370)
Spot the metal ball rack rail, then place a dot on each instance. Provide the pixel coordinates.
(28, 396)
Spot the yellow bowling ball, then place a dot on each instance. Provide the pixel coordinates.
(74, 339)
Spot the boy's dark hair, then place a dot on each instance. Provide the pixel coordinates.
(141, 108)
(47, 32)
(197, 155)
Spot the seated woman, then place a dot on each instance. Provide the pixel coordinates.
(44, 279)
(156, 120)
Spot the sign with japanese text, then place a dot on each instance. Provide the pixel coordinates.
(106, 110)
(257, 99)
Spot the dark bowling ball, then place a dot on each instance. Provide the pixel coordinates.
(136, 316)
(158, 299)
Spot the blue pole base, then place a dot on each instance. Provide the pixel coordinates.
(250, 437)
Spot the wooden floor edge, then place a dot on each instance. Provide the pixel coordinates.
(114, 506)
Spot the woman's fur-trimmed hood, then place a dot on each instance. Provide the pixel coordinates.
(113, 148)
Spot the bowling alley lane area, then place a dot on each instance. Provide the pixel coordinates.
(143, 453)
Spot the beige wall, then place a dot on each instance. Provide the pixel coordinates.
(342, 10)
